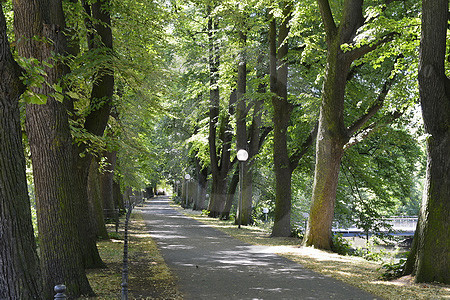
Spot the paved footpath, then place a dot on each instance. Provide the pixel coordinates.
(210, 264)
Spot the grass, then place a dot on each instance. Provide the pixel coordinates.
(353, 270)
(149, 277)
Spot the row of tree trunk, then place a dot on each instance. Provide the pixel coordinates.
(332, 136)
(70, 192)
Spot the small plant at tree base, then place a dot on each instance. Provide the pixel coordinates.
(341, 246)
(205, 212)
(177, 199)
(297, 233)
(393, 269)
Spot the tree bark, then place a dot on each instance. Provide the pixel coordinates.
(429, 258)
(232, 186)
(218, 185)
(219, 132)
(51, 143)
(20, 277)
(331, 139)
(244, 213)
(118, 196)
(95, 123)
(220, 160)
(202, 182)
(95, 205)
(106, 183)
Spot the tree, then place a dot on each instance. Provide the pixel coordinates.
(285, 158)
(333, 134)
(20, 277)
(99, 21)
(40, 26)
(95, 203)
(429, 257)
(220, 160)
(281, 118)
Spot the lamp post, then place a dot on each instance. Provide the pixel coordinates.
(177, 183)
(242, 157)
(187, 177)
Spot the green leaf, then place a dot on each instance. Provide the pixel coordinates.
(33, 98)
(57, 88)
(58, 97)
(73, 95)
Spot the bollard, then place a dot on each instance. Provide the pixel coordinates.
(60, 290)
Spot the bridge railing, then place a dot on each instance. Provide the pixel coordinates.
(398, 224)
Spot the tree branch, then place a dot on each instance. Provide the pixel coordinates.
(265, 132)
(372, 128)
(327, 18)
(352, 19)
(377, 105)
(299, 152)
(357, 53)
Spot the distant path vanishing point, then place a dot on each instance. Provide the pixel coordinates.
(209, 264)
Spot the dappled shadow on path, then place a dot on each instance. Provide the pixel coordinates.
(212, 265)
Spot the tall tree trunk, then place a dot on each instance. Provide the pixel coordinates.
(86, 220)
(214, 99)
(220, 160)
(106, 183)
(329, 150)
(332, 132)
(202, 176)
(218, 195)
(281, 118)
(20, 277)
(95, 204)
(118, 196)
(254, 140)
(232, 186)
(244, 213)
(95, 123)
(51, 143)
(429, 258)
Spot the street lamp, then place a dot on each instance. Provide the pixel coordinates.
(242, 157)
(177, 183)
(187, 177)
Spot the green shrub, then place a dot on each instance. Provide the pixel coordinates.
(376, 255)
(393, 269)
(341, 246)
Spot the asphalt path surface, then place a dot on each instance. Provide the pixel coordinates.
(210, 264)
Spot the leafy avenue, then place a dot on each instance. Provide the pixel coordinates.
(342, 106)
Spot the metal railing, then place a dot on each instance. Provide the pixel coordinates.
(60, 289)
(394, 225)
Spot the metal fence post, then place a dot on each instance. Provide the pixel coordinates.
(125, 254)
